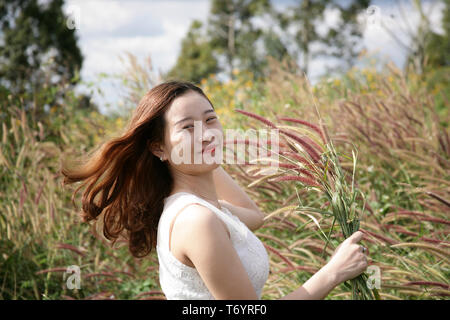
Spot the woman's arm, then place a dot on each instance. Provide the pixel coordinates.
(347, 262)
(231, 196)
(317, 287)
(223, 273)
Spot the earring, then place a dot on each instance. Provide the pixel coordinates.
(160, 158)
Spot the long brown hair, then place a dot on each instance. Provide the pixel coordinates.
(130, 181)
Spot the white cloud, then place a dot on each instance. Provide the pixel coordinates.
(331, 18)
(401, 19)
(107, 29)
(103, 17)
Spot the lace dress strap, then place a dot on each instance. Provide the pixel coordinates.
(177, 214)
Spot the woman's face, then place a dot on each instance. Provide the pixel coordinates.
(191, 126)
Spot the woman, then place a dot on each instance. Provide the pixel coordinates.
(194, 213)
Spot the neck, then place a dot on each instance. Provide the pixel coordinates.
(201, 185)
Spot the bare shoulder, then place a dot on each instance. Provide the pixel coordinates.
(199, 223)
(194, 227)
(196, 217)
(195, 212)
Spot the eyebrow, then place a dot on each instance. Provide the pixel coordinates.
(188, 118)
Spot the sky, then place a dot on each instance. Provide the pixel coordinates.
(155, 28)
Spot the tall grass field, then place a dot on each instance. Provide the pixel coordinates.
(391, 134)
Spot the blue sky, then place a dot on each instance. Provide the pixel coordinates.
(155, 28)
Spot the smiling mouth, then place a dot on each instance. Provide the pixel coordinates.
(209, 149)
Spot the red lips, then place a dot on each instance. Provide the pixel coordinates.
(209, 148)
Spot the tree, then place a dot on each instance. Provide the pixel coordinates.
(233, 34)
(196, 60)
(339, 41)
(229, 40)
(424, 48)
(437, 46)
(237, 38)
(36, 45)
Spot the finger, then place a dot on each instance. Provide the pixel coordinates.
(364, 249)
(363, 231)
(356, 237)
(365, 234)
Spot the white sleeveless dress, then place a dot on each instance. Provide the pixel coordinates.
(182, 282)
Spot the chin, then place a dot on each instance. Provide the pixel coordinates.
(196, 169)
(214, 166)
(204, 167)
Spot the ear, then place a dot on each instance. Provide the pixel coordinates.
(156, 149)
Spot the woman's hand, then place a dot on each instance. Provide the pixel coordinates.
(348, 261)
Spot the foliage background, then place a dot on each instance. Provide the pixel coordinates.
(397, 119)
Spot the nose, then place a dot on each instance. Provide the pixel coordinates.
(206, 134)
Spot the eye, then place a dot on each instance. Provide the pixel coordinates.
(191, 126)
